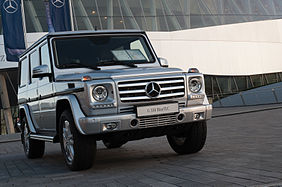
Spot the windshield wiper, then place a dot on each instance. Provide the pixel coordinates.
(79, 65)
(113, 62)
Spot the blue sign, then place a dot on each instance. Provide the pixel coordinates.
(58, 15)
(13, 32)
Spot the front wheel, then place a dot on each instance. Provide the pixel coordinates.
(190, 141)
(32, 148)
(78, 150)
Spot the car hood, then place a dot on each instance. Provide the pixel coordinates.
(119, 73)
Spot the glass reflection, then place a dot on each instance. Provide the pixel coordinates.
(218, 87)
(155, 15)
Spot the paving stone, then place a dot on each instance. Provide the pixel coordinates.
(189, 183)
(172, 180)
(224, 184)
(148, 181)
(127, 181)
(250, 177)
(139, 185)
(114, 184)
(241, 150)
(163, 184)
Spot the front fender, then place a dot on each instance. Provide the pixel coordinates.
(75, 109)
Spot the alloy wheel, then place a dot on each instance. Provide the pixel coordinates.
(68, 141)
(26, 138)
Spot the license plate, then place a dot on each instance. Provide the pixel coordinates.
(152, 110)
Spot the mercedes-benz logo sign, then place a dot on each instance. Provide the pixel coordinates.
(153, 89)
(10, 6)
(58, 3)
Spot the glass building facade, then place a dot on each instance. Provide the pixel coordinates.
(218, 87)
(155, 15)
(166, 15)
(160, 15)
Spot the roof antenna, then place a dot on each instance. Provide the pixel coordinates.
(95, 28)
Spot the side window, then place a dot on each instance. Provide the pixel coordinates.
(24, 72)
(44, 53)
(34, 61)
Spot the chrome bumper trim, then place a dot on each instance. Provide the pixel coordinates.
(97, 124)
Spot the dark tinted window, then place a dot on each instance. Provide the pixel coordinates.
(102, 50)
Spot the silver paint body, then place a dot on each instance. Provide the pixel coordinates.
(39, 99)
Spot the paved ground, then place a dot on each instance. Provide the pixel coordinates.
(228, 111)
(241, 150)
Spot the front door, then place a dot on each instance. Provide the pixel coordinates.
(32, 91)
(45, 91)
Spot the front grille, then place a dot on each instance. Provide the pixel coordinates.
(134, 91)
(182, 105)
(157, 121)
(127, 110)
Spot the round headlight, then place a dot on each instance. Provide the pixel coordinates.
(100, 93)
(195, 85)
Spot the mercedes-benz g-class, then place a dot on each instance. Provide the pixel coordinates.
(77, 88)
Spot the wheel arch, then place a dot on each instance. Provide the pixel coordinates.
(61, 106)
(69, 102)
(21, 113)
(24, 112)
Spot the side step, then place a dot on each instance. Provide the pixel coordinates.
(42, 137)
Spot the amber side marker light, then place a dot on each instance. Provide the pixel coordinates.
(86, 78)
(193, 70)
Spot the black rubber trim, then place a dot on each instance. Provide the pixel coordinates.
(70, 91)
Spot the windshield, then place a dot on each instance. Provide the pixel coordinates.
(93, 51)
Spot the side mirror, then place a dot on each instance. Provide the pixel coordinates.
(41, 71)
(163, 62)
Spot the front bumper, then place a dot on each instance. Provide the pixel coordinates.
(123, 122)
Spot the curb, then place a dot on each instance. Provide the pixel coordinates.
(246, 112)
(8, 141)
(10, 138)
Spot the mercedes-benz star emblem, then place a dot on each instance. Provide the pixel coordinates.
(58, 3)
(10, 6)
(153, 89)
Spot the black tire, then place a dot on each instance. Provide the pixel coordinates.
(32, 148)
(79, 150)
(111, 143)
(191, 141)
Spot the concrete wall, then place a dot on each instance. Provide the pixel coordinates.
(236, 49)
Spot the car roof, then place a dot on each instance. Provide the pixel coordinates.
(74, 33)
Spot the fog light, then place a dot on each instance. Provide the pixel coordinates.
(199, 116)
(180, 117)
(196, 116)
(110, 126)
(134, 123)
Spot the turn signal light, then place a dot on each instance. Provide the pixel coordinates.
(86, 78)
(193, 70)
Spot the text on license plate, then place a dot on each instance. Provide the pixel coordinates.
(152, 110)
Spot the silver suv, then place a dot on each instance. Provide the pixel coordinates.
(77, 88)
